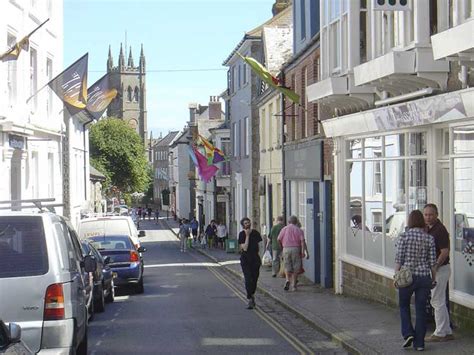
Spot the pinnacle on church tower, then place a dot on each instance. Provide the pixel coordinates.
(142, 60)
(130, 59)
(110, 60)
(121, 62)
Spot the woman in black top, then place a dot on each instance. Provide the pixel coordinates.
(249, 258)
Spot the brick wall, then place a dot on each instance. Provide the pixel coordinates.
(306, 71)
(361, 283)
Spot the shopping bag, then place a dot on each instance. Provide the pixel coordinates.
(267, 258)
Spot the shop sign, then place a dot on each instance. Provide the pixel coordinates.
(425, 111)
(221, 198)
(16, 142)
(304, 162)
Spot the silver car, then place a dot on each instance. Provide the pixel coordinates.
(42, 281)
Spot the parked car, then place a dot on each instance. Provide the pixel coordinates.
(42, 281)
(10, 340)
(125, 259)
(110, 225)
(103, 281)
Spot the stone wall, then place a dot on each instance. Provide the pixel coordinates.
(361, 283)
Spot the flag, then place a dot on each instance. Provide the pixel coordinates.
(14, 52)
(99, 96)
(206, 172)
(265, 75)
(213, 154)
(71, 85)
(192, 155)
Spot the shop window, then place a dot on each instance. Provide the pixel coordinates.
(384, 186)
(463, 142)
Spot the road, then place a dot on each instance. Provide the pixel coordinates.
(191, 306)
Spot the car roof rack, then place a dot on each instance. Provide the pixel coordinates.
(18, 205)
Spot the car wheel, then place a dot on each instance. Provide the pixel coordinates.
(139, 287)
(82, 348)
(111, 295)
(99, 304)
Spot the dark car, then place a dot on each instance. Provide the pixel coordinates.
(102, 278)
(10, 340)
(125, 259)
(88, 289)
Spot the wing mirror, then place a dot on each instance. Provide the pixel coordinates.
(107, 260)
(141, 249)
(141, 234)
(90, 264)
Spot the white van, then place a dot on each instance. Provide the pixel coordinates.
(110, 225)
(42, 281)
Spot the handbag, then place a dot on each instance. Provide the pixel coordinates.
(403, 277)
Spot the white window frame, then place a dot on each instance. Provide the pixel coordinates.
(33, 78)
(12, 76)
(246, 136)
(235, 140)
(49, 76)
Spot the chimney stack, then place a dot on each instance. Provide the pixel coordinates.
(215, 108)
(192, 112)
(280, 5)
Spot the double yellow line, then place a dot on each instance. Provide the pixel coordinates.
(290, 338)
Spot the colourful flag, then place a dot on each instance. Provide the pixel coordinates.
(213, 154)
(265, 75)
(14, 52)
(99, 96)
(206, 172)
(192, 155)
(71, 85)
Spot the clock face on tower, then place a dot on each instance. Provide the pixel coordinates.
(133, 123)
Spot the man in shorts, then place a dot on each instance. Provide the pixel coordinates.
(292, 240)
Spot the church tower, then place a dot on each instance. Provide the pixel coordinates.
(129, 81)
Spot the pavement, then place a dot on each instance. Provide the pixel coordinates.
(360, 326)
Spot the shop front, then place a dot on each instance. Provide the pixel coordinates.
(390, 161)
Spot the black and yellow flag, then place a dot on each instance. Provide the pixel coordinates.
(14, 52)
(71, 85)
(99, 96)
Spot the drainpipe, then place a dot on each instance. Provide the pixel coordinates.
(463, 76)
(283, 185)
(85, 158)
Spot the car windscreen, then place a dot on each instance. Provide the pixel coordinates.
(22, 246)
(102, 227)
(112, 242)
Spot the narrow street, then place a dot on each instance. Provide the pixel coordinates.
(189, 306)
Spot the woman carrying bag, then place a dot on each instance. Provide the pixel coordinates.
(415, 260)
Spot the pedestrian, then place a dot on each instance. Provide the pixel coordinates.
(275, 246)
(211, 232)
(157, 215)
(140, 211)
(294, 247)
(435, 228)
(150, 210)
(416, 251)
(183, 234)
(221, 235)
(194, 229)
(249, 258)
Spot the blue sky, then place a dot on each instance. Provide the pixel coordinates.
(176, 35)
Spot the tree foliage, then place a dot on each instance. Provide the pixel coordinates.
(118, 152)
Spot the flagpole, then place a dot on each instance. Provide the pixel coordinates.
(36, 93)
(12, 48)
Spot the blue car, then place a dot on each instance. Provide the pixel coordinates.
(124, 259)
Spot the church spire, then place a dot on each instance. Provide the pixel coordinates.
(110, 60)
(121, 62)
(142, 60)
(130, 59)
